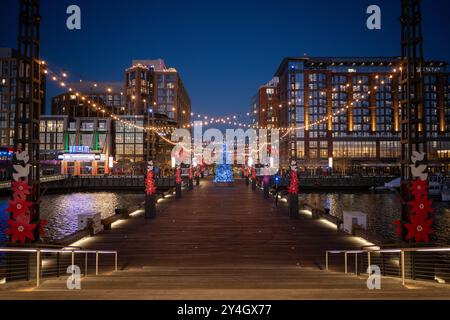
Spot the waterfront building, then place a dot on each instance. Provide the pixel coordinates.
(107, 94)
(170, 97)
(8, 75)
(138, 89)
(365, 137)
(130, 143)
(77, 146)
(265, 105)
(53, 142)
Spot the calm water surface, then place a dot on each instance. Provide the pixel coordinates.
(382, 209)
(61, 211)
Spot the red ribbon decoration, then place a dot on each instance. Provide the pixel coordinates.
(293, 186)
(150, 187)
(178, 179)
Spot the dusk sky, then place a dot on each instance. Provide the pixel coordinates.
(223, 50)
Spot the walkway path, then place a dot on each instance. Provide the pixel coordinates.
(224, 243)
(223, 226)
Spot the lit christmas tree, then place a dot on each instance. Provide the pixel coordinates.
(224, 172)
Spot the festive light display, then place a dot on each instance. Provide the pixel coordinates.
(293, 185)
(20, 229)
(178, 179)
(224, 173)
(60, 77)
(150, 187)
(419, 225)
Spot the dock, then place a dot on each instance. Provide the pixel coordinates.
(224, 243)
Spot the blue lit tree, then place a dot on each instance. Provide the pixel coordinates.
(224, 172)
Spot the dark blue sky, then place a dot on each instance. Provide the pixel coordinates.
(223, 49)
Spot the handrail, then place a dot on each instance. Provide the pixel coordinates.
(367, 250)
(37, 245)
(72, 250)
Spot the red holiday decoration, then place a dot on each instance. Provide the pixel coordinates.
(419, 224)
(20, 188)
(419, 229)
(419, 188)
(398, 229)
(421, 207)
(42, 223)
(293, 187)
(150, 187)
(20, 229)
(178, 179)
(19, 207)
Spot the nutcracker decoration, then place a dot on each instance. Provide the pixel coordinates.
(178, 182)
(253, 179)
(150, 193)
(191, 178)
(197, 176)
(246, 174)
(293, 191)
(266, 181)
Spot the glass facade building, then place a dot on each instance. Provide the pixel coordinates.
(359, 100)
(8, 70)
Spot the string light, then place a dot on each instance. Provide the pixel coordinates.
(223, 120)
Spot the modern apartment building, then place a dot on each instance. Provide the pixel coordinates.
(170, 97)
(8, 74)
(359, 100)
(265, 105)
(76, 146)
(73, 103)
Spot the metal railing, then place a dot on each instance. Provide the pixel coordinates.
(429, 264)
(28, 264)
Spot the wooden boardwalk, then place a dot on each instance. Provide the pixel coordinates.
(224, 243)
(223, 226)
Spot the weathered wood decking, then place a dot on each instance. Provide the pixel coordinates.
(217, 226)
(224, 243)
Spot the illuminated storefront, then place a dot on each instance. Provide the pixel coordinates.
(79, 146)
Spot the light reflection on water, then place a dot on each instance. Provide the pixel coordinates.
(61, 211)
(382, 209)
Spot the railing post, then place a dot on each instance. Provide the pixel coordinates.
(368, 259)
(115, 256)
(402, 258)
(326, 261)
(57, 264)
(38, 268)
(356, 263)
(85, 264)
(96, 263)
(345, 262)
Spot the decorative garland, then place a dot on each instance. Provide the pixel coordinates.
(419, 226)
(20, 229)
(293, 186)
(150, 187)
(178, 179)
